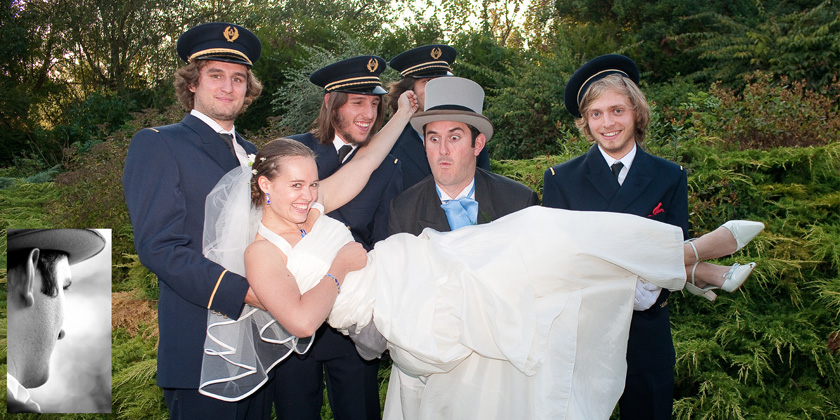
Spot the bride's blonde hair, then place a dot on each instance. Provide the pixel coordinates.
(267, 163)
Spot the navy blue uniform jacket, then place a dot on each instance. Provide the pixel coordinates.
(654, 188)
(415, 166)
(168, 173)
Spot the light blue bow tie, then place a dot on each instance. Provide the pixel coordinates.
(461, 212)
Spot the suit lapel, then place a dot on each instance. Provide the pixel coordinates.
(638, 179)
(599, 175)
(431, 214)
(486, 210)
(210, 141)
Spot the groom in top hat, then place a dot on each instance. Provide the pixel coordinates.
(352, 111)
(168, 173)
(617, 175)
(417, 67)
(457, 194)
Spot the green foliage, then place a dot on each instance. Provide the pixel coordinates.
(299, 99)
(765, 114)
(802, 45)
(528, 114)
(290, 29)
(135, 393)
(765, 350)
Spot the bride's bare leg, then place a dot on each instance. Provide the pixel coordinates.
(715, 244)
(707, 274)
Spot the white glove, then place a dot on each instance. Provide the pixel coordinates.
(646, 295)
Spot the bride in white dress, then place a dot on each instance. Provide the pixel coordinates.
(539, 288)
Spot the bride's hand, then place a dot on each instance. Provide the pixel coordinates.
(252, 299)
(408, 101)
(351, 257)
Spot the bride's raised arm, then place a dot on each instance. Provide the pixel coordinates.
(348, 181)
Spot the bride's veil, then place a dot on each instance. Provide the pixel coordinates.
(238, 353)
(230, 221)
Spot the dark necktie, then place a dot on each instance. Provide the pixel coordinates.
(228, 138)
(343, 151)
(616, 169)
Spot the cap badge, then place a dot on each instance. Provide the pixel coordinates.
(436, 53)
(372, 65)
(231, 34)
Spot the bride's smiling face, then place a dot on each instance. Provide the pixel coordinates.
(294, 190)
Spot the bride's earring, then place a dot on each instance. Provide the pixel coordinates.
(267, 200)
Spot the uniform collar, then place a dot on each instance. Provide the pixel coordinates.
(467, 192)
(338, 142)
(213, 124)
(626, 160)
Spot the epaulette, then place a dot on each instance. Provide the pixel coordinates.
(552, 171)
(154, 129)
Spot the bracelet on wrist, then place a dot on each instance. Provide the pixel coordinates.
(337, 284)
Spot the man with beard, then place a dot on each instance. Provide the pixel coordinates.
(168, 173)
(351, 113)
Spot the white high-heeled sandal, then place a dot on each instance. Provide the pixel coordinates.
(691, 287)
(732, 280)
(743, 231)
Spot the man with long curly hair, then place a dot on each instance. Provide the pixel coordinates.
(168, 173)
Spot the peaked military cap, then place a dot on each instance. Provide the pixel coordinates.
(353, 75)
(426, 61)
(79, 244)
(454, 99)
(593, 70)
(219, 41)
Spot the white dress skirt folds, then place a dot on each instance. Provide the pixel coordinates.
(549, 291)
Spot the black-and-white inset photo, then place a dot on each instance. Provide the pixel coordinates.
(58, 307)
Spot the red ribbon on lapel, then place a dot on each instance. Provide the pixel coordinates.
(657, 210)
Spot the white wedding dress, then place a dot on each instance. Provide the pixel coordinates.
(537, 303)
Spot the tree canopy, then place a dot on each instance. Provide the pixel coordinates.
(74, 70)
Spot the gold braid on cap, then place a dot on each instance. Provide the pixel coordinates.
(580, 91)
(353, 81)
(210, 51)
(426, 65)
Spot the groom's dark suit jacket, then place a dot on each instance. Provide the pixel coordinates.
(654, 188)
(419, 206)
(168, 173)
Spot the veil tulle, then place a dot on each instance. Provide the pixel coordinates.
(238, 354)
(230, 221)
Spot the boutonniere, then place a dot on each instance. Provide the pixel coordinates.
(486, 218)
(658, 209)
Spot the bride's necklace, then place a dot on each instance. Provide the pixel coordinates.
(302, 231)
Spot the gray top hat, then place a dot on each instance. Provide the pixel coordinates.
(79, 244)
(454, 99)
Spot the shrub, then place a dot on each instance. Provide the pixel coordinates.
(767, 114)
